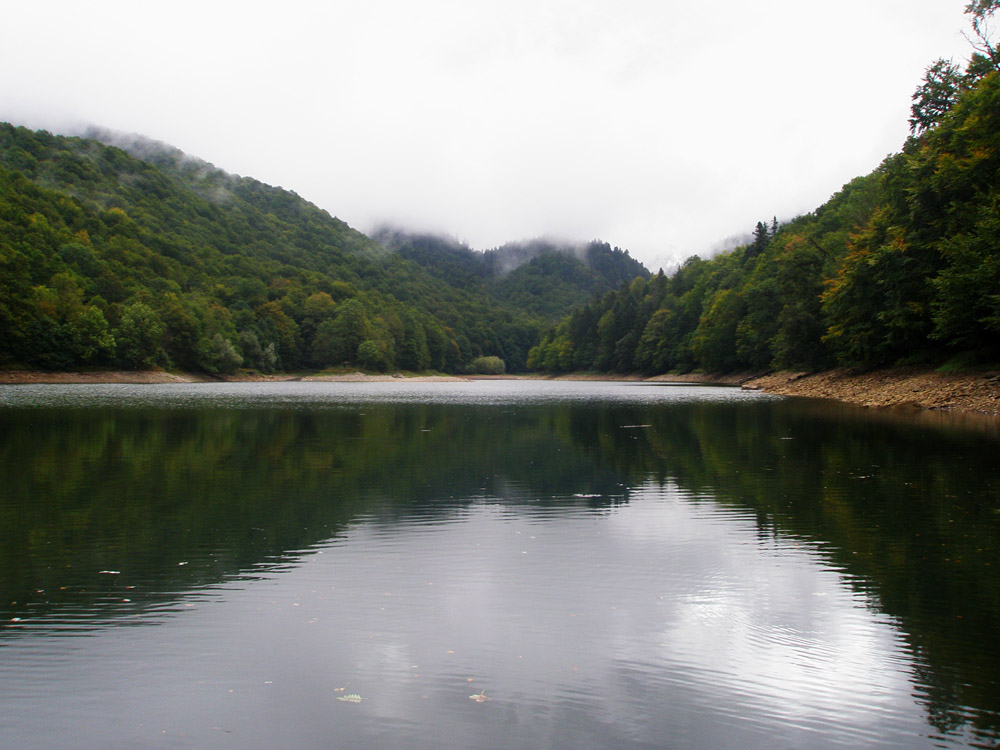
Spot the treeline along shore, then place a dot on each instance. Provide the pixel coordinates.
(899, 269)
(120, 254)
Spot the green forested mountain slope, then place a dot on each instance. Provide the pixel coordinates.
(111, 260)
(900, 266)
(544, 279)
(558, 278)
(141, 257)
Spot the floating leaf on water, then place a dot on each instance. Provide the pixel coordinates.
(350, 698)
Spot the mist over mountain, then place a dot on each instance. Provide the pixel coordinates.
(542, 277)
(121, 251)
(900, 267)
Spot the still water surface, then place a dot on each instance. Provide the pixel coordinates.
(492, 564)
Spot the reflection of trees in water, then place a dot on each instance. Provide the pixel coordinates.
(140, 492)
(908, 514)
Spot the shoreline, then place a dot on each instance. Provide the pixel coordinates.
(910, 387)
(917, 388)
(153, 377)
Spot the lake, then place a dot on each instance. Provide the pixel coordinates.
(493, 564)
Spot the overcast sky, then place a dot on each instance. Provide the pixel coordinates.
(661, 127)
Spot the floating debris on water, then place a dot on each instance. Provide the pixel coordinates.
(350, 698)
(480, 697)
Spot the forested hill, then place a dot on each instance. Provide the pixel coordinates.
(541, 277)
(149, 258)
(900, 266)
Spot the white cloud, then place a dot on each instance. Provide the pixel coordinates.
(661, 127)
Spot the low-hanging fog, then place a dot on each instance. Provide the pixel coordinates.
(658, 126)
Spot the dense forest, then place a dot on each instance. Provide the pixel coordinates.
(901, 266)
(540, 277)
(122, 252)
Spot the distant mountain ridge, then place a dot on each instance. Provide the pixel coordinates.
(541, 277)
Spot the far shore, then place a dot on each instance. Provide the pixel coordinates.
(968, 392)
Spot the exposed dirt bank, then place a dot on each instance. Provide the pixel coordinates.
(126, 376)
(971, 393)
(927, 389)
(96, 376)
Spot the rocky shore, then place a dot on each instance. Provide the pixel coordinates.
(977, 393)
(968, 393)
(972, 393)
(156, 376)
(9, 377)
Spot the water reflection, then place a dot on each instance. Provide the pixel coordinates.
(609, 569)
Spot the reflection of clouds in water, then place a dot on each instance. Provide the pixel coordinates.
(454, 567)
(767, 623)
(661, 600)
(659, 618)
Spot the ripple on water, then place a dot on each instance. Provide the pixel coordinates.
(535, 568)
(299, 394)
